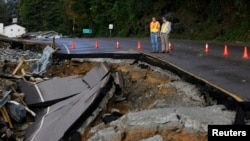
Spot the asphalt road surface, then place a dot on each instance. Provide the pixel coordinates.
(227, 70)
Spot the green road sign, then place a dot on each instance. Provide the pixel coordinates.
(87, 31)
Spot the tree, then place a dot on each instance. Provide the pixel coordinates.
(77, 13)
(3, 12)
(30, 14)
(39, 15)
(53, 19)
(196, 19)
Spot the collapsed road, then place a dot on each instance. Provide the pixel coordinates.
(67, 100)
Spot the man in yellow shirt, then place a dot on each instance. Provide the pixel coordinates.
(154, 33)
(165, 30)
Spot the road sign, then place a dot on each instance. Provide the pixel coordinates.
(86, 31)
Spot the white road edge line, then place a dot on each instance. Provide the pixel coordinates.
(39, 92)
(41, 124)
(66, 48)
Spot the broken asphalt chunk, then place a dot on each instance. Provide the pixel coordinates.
(76, 98)
(51, 90)
(96, 74)
(57, 89)
(118, 79)
(54, 122)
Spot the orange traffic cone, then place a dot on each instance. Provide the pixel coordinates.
(96, 44)
(139, 45)
(245, 54)
(117, 45)
(206, 48)
(170, 46)
(73, 45)
(225, 50)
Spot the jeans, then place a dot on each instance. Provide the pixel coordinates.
(154, 41)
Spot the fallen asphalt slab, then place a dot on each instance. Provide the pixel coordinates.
(66, 102)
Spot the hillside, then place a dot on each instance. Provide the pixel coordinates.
(193, 20)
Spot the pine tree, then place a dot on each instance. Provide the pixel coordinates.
(3, 12)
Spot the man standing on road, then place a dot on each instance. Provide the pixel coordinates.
(154, 33)
(165, 30)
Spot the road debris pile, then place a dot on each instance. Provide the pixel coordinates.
(99, 99)
(69, 99)
(55, 96)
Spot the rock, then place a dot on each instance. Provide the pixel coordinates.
(16, 111)
(215, 114)
(148, 123)
(107, 118)
(154, 138)
(108, 134)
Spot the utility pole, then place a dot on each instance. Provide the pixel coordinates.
(73, 28)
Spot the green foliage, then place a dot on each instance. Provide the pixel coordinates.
(7, 12)
(3, 12)
(196, 19)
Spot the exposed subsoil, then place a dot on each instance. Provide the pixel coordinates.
(145, 87)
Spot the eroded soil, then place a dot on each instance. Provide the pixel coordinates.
(144, 88)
